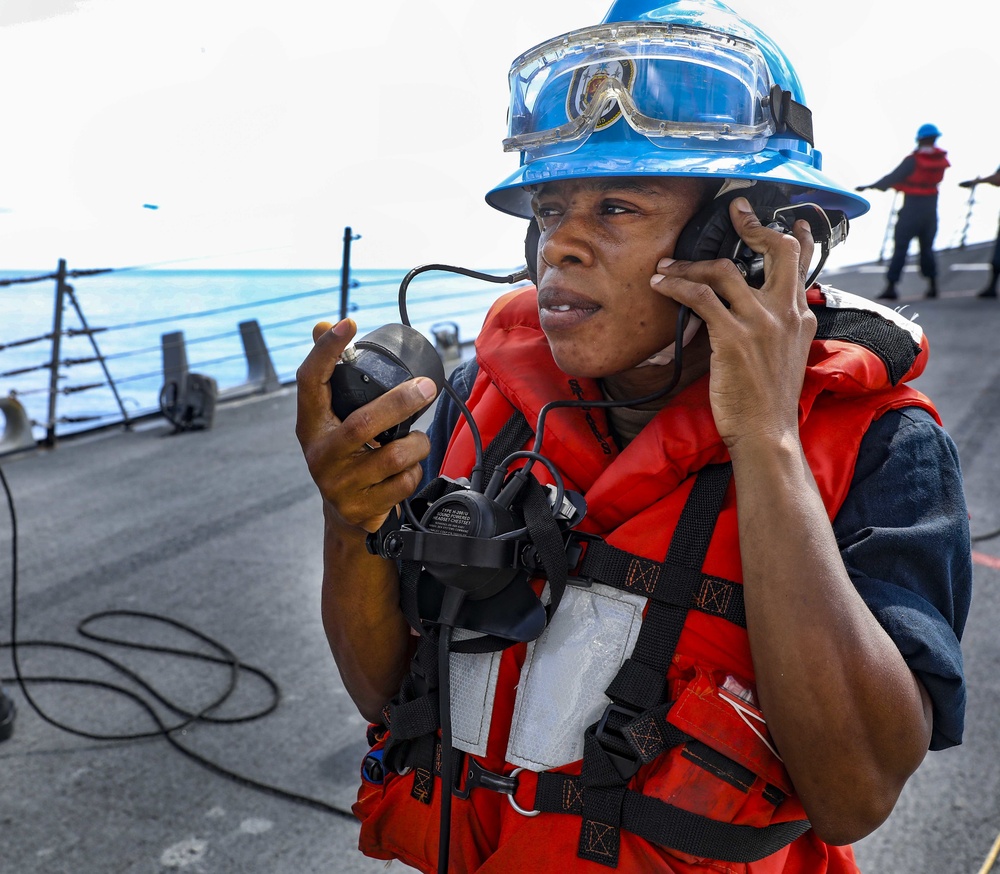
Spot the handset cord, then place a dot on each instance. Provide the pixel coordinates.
(476, 474)
(453, 600)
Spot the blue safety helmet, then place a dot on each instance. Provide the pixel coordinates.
(685, 88)
(928, 130)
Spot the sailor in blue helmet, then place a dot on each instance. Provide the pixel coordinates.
(917, 176)
(753, 636)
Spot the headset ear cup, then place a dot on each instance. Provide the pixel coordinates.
(707, 235)
(766, 200)
(531, 238)
(710, 234)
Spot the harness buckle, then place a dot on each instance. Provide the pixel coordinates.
(576, 548)
(477, 776)
(614, 743)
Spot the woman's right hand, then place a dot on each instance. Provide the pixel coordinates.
(360, 481)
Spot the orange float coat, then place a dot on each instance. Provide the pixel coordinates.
(927, 173)
(634, 498)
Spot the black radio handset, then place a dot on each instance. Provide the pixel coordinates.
(392, 354)
(385, 358)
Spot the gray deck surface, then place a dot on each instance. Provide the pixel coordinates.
(221, 530)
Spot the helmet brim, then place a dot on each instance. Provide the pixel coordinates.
(513, 195)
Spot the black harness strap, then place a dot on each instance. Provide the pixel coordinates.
(641, 682)
(601, 803)
(682, 570)
(510, 438)
(609, 758)
(649, 734)
(413, 714)
(665, 825)
(548, 542)
(634, 729)
(623, 570)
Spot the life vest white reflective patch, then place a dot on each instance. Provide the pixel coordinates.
(473, 688)
(566, 671)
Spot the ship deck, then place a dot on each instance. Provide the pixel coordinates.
(210, 542)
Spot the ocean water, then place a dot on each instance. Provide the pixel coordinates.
(128, 312)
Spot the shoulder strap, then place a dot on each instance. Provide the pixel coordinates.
(510, 438)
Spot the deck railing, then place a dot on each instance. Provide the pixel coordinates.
(94, 374)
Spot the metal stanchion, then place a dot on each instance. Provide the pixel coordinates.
(345, 271)
(889, 227)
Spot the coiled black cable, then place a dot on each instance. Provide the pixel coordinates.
(224, 656)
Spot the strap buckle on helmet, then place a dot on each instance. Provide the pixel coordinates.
(789, 115)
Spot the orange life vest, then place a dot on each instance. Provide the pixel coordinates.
(931, 162)
(724, 770)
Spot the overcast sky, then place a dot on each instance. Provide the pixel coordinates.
(261, 129)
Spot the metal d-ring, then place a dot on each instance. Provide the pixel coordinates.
(514, 804)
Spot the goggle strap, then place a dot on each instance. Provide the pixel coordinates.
(790, 115)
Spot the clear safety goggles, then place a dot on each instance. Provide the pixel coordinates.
(681, 87)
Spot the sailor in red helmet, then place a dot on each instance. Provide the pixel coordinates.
(756, 637)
